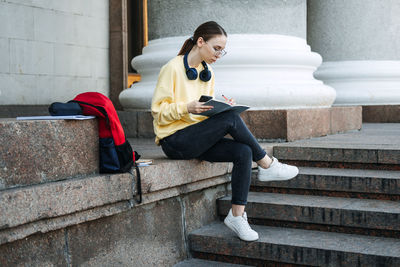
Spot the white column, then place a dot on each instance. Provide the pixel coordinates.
(268, 66)
(359, 41)
(260, 70)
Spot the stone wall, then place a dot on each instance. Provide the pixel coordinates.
(150, 235)
(56, 209)
(52, 50)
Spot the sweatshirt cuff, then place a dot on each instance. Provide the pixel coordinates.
(182, 108)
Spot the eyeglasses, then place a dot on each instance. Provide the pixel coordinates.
(217, 52)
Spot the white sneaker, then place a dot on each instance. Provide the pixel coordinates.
(277, 172)
(240, 226)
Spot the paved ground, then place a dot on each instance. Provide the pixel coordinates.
(371, 136)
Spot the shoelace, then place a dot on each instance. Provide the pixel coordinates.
(282, 165)
(245, 225)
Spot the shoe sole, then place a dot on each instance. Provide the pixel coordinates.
(278, 179)
(230, 226)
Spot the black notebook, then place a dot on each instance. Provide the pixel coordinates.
(221, 106)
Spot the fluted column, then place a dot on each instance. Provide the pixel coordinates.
(359, 41)
(268, 66)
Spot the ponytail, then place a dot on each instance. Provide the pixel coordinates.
(207, 30)
(187, 46)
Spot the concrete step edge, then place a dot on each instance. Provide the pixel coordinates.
(298, 246)
(360, 213)
(339, 153)
(334, 179)
(205, 263)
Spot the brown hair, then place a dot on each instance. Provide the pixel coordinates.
(207, 30)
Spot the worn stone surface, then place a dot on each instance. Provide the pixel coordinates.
(27, 204)
(375, 144)
(166, 173)
(201, 207)
(72, 195)
(56, 205)
(345, 118)
(169, 173)
(147, 148)
(343, 180)
(34, 152)
(381, 114)
(51, 224)
(145, 124)
(203, 263)
(150, 235)
(185, 188)
(311, 248)
(347, 212)
(37, 250)
(306, 123)
(266, 124)
(290, 124)
(129, 123)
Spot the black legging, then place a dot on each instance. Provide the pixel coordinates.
(205, 140)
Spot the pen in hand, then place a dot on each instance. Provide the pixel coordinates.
(229, 101)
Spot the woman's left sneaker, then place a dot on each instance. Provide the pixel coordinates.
(240, 226)
(277, 172)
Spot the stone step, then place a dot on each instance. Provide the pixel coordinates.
(376, 146)
(295, 246)
(350, 215)
(342, 156)
(206, 263)
(371, 184)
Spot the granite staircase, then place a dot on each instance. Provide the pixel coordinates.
(343, 209)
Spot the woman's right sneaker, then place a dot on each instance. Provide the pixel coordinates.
(277, 172)
(240, 226)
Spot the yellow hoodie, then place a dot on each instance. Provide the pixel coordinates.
(173, 91)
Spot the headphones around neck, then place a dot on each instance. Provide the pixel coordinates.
(191, 73)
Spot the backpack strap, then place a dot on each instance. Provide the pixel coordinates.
(139, 184)
(99, 108)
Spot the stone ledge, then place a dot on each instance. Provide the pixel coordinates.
(381, 113)
(295, 124)
(50, 206)
(167, 173)
(34, 152)
(285, 124)
(24, 205)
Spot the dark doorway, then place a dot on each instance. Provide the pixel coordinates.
(137, 25)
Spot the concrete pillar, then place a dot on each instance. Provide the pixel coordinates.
(268, 66)
(359, 41)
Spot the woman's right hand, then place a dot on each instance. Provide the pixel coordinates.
(197, 107)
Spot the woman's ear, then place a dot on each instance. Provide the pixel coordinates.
(200, 42)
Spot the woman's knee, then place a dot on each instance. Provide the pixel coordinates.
(243, 153)
(230, 114)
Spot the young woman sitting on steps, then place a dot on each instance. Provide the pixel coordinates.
(183, 134)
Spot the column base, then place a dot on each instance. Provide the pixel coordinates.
(269, 125)
(381, 113)
(296, 124)
(362, 82)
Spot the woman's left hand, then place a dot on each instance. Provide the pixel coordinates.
(196, 107)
